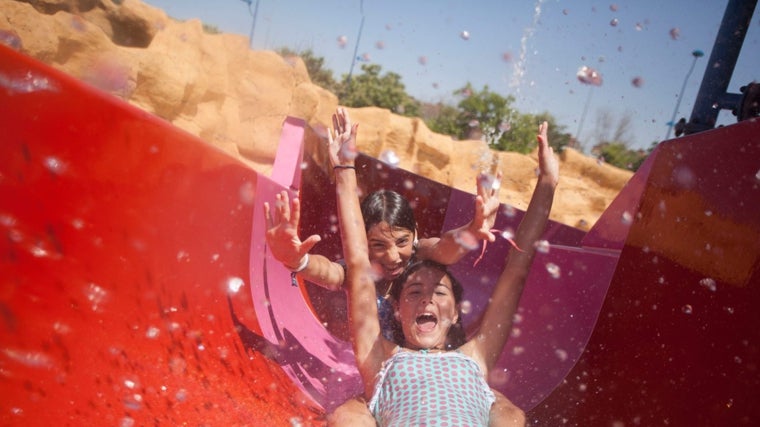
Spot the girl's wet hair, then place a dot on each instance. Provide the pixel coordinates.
(390, 207)
(456, 335)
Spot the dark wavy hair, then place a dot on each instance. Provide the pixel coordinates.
(390, 207)
(456, 335)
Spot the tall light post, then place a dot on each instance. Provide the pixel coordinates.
(356, 46)
(696, 54)
(254, 13)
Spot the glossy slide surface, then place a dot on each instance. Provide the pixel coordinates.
(124, 268)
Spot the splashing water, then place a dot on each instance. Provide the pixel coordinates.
(553, 270)
(589, 76)
(519, 67)
(390, 158)
(28, 83)
(234, 284)
(709, 283)
(542, 246)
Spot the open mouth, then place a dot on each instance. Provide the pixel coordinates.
(426, 322)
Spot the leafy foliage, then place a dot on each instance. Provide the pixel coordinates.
(371, 89)
(478, 114)
(618, 154)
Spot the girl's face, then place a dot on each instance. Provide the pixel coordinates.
(390, 248)
(427, 309)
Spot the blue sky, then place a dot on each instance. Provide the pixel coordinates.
(546, 42)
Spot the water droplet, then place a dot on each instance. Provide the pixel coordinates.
(489, 181)
(467, 240)
(247, 193)
(133, 402)
(613, 7)
(390, 158)
(516, 332)
(409, 184)
(54, 165)
(465, 35)
(234, 284)
(466, 307)
(127, 422)
(709, 284)
(675, 33)
(96, 295)
(152, 332)
(543, 246)
(637, 81)
(517, 318)
(342, 41)
(422, 60)
(348, 151)
(380, 45)
(29, 358)
(553, 270)
(561, 354)
(589, 76)
(757, 175)
(28, 83)
(687, 309)
(181, 395)
(498, 377)
(509, 211)
(614, 22)
(582, 387)
(508, 234)
(518, 350)
(626, 218)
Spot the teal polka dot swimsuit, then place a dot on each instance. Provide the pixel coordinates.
(431, 389)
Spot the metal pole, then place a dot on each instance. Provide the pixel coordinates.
(255, 13)
(712, 95)
(697, 54)
(356, 46)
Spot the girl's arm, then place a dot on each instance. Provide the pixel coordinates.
(456, 243)
(286, 247)
(370, 348)
(497, 320)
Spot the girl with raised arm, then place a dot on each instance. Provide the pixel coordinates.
(422, 381)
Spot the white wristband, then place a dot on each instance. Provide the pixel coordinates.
(302, 265)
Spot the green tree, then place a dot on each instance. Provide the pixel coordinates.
(483, 112)
(521, 136)
(618, 154)
(371, 89)
(441, 118)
